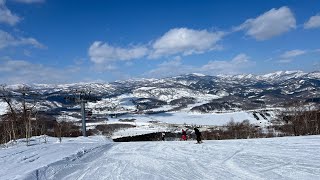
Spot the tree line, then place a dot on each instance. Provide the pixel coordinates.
(296, 119)
(24, 120)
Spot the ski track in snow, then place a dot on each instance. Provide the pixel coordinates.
(275, 158)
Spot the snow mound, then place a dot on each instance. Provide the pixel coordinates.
(19, 160)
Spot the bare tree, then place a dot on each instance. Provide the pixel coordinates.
(28, 108)
(300, 118)
(7, 96)
(58, 130)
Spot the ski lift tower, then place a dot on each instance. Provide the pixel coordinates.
(82, 97)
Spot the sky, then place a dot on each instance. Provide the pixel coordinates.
(56, 41)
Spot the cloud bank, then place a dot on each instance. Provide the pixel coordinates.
(176, 67)
(177, 41)
(7, 40)
(270, 24)
(292, 53)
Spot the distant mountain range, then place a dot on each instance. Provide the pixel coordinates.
(191, 92)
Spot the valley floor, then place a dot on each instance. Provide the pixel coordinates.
(273, 158)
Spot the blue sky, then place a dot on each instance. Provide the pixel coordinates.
(55, 41)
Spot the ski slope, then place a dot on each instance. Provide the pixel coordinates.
(274, 158)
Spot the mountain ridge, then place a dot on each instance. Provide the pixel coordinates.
(198, 92)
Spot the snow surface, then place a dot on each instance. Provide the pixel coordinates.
(19, 160)
(144, 123)
(3, 108)
(95, 158)
(147, 128)
(212, 119)
(198, 74)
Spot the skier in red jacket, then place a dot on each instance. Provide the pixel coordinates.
(184, 135)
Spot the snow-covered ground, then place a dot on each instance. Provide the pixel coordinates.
(211, 119)
(95, 158)
(3, 107)
(19, 160)
(140, 129)
(144, 126)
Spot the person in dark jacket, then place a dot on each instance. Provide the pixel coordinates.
(162, 136)
(198, 134)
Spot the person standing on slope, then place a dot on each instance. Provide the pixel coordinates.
(162, 136)
(184, 135)
(198, 134)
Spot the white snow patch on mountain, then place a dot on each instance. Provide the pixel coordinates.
(198, 74)
(3, 108)
(168, 94)
(315, 75)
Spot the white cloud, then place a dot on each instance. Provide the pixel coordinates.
(104, 67)
(27, 53)
(21, 71)
(178, 41)
(6, 16)
(176, 67)
(170, 68)
(313, 22)
(7, 40)
(30, 1)
(185, 41)
(292, 53)
(272, 23)
(100, 52)
(236, 65)
(29, 41)
(285, 61)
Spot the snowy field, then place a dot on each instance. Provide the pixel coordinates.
(140, 129)
(97, 158)
(143, 125)
(213, 119)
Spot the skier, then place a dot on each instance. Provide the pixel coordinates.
(184, 135)
(162, 136)
(198, 134)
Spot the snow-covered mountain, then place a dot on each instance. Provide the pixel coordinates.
(185, 93)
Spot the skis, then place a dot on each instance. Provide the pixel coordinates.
(199, 142)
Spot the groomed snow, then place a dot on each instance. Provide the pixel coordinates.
(91, 158)
(18, 160)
